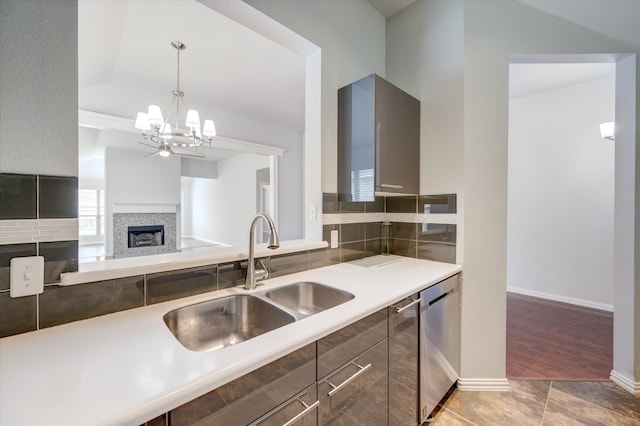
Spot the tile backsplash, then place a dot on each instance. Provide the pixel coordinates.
(38, 217)
(408, 226)
(362, 230)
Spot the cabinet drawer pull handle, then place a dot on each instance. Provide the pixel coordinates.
(413, 303)
(307, 409)
(335, 389)
(388, 185)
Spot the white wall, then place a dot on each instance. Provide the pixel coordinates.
(39, 87)
(186, 204)
(132, 179)
(560, 195)
(491, 31)
(626, 321)
(226, 205)
(351, 34)
(425, 57)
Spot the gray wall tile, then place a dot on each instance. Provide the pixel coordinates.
(17, 315)
(59, 257)
(324, 257)
(172, 285)
(401, 204)
(446, 203)
(352, 251)
(288, 264)
(404, 230)
(9, 251)
(403, 247)
(231, 274)
(350, 232)
(330, 203)
(60, 305)
(18, 196)
(58, 197)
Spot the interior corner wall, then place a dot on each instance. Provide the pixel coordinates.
(626, 323)
(561, 193)
(39, 87)
(351, 35)
(493, 30)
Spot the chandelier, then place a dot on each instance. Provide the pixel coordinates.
(158, 132)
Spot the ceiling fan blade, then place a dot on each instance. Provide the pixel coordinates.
(152, 154)
(148, 144)
(186, 152)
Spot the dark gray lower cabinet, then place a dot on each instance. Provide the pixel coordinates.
(250, 397)
(300, 410)
(353, 383)
(403, 362)
(357, 393)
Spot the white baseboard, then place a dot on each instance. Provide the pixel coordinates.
(498, 385)
(625, 382)
(564, 299)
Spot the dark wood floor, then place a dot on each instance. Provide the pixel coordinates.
(553, 340)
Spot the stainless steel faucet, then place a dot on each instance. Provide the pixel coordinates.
(254, 275)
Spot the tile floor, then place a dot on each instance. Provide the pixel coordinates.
(542, 402)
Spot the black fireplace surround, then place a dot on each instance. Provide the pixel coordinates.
(145, 236)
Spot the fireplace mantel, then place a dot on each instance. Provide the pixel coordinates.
(145, 208)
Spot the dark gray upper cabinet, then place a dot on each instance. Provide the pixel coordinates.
(378, 140)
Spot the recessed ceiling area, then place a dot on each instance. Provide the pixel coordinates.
(228, 72)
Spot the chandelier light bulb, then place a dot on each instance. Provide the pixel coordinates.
(607, 130)
(142, 121)
(155, 115)
(193, 119)
(165, 152)
(209, 129)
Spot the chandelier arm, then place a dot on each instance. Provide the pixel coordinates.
(169, 111)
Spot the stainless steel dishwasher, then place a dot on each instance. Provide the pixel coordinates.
(439, 342)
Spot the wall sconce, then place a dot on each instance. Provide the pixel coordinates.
(607, 129)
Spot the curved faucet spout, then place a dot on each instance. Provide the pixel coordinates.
(274, 243)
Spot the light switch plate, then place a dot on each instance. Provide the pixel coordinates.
(27, 276)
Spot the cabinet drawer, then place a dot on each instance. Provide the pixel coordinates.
(301, 410)
(248, 398)
(349, 342)
(357, 393)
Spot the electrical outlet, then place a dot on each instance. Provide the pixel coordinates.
(27, 276)
(334, 238)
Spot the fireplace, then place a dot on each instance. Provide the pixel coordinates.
(145, 236)
(140, 234)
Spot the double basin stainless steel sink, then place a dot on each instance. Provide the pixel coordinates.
(217, 323)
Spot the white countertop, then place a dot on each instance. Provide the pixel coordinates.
(127, 368)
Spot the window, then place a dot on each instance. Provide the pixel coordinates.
(91, 211)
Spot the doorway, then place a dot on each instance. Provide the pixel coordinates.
(560, 239)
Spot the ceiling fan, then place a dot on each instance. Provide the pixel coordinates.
(164, 149)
